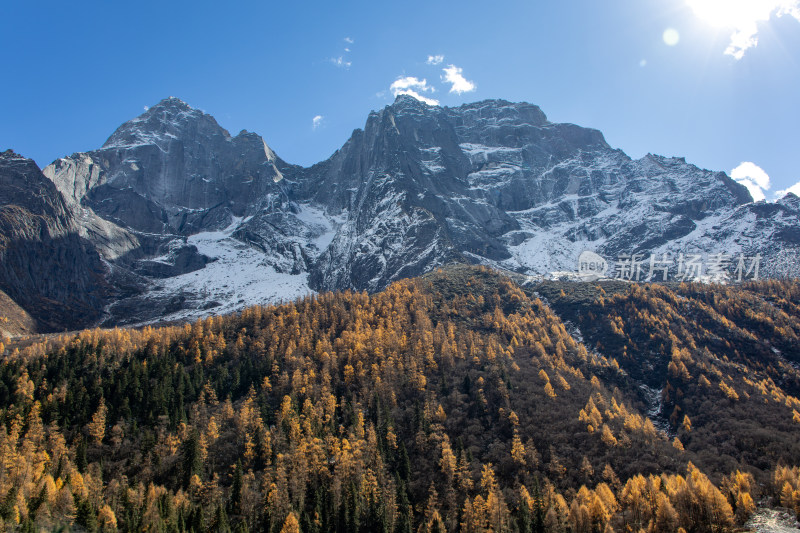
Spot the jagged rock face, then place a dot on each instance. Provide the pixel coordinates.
(172, 170)
(172, 173)
(25, 190)
(45, 267)
(494, 182)
(168, 174)
(403, 182)
(771, 230)
(193, 221)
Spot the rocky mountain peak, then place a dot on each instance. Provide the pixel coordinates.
(406, 102)
(10, 154)
(790, 200)
(23, 185)
(164, 122)
(502, 111)
(207, 219)
(175, 102)
(171, 170)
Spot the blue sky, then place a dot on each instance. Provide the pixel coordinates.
(74, 71)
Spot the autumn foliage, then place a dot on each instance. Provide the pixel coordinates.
(456, 402)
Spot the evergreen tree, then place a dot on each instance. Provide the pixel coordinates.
(220, 523)
(404, 522)
(80, 457)
(85, 515)
(191, 458)
(236, 490)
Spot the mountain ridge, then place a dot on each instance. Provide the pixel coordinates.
(191, 220)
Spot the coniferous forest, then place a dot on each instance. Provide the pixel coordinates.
(458, 401)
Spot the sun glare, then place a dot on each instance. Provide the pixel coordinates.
(671, 36)
(742, 17)
(733, 13)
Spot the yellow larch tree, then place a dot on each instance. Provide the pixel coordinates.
(97, 427)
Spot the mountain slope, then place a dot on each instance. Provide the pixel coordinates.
(45, 266)
(193, 221)
(171, 192)
(171, 170)
(726, 358)
(499, 184)
(459, 401)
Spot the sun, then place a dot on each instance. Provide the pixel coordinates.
(742, 18)
(733, 13)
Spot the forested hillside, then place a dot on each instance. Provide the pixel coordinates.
(459, 401)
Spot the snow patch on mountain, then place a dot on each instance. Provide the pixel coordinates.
(547, 251)
(323, 226)
(432, 159)
(238, 277)
(479, 153)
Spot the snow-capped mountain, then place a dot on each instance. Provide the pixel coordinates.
(172, 193)
(496, 183)
(171, 170)
(191, 220)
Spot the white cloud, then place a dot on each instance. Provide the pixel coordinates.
(316, 121)
(410, 82)
(753, 177)
(794, 189)
(758, 182)
(643, 63)
(413, 87)
(341, 62)
(346, 49)
(146, 108)
(751, 171)
(435, 60)
(452, 75)
(349, 40)
(743, 18)
(741, 40)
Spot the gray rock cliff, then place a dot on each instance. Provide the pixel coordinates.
(46, 267)
(190, 220)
